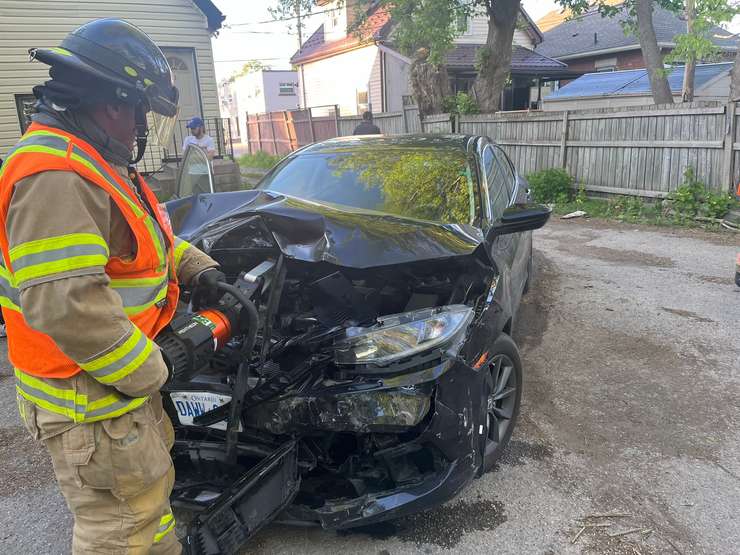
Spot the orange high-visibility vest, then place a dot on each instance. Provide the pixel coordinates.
(147, 284)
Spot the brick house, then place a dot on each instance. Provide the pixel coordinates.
(591, 43)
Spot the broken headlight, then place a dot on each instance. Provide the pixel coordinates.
(403, 335)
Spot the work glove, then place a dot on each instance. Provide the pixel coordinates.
(207, 293)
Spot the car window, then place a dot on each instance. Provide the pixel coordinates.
(506, 169)
(432, 184)
(496, 181)
(195, 174)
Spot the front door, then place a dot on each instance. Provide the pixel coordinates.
(182, 62)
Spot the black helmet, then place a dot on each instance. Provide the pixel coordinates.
(121, 55)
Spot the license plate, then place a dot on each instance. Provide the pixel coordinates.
(190, 404)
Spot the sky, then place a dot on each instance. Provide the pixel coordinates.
(251, 35)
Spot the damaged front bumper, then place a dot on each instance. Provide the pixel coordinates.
(428, 418)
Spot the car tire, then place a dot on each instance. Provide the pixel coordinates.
(502, 395)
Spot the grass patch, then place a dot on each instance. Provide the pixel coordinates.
(259, 159)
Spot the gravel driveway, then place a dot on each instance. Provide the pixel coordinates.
(631, 345)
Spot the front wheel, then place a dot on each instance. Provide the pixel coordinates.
(502, 395)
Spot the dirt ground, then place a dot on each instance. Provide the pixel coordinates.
(631, 344)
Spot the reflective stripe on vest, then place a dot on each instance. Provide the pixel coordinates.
(148, 290)
(69, 403)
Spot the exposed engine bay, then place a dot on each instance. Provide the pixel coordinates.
(314, 392)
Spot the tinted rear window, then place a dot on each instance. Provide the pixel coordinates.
(430, 184)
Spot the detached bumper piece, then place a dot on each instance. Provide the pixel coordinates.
(226, 517)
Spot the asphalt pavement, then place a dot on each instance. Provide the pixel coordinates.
(630, 339)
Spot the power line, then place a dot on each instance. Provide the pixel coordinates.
(248, 60)
(289, 18)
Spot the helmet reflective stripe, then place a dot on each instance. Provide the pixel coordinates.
(71, 404)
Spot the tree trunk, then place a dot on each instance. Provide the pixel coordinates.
(430, 84)
(494, 59)
(651, 52)
(687, 92)
(735, 78)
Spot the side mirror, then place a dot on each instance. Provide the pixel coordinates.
(520, 218)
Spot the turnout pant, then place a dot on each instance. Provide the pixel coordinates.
(116, 476)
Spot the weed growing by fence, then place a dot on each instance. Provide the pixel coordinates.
(692, 199)
(259, 159)
(552, 185)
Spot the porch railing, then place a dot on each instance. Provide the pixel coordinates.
(157, 157)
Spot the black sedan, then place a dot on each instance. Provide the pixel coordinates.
(387, 273)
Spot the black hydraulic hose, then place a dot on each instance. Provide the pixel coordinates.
(240, 387)
(253, 318)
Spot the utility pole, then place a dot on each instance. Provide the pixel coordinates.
(687, 92)
(299, 25)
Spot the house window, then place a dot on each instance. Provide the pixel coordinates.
(287, 89)
(332, 20)
(362, 102)
(24, 107)
(605, 64)
(462, 24)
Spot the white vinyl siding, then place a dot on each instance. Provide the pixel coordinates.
(376, 84)
(336, 80)
(478, 33)
(44, 23)
(396, 82)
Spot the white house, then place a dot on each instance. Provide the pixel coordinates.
(367, 71)
(259, 92)
(182, 28)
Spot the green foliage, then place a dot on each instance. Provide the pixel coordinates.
(426, 184)
(431, 24)
(259, 159)
(692, 199)
(286, 10)
(461, 103)
(581, 197)
(698, 45)
(250, 67)
(552, 185)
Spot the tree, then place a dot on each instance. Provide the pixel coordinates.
(637, 19)
(494, 59)
(432, 25)
(696, 44)
(252, 66)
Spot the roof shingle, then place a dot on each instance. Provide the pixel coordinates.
(592, 33)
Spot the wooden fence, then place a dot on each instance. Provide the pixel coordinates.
(641, 150)
(284, 132)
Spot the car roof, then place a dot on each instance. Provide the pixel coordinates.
(455, 142)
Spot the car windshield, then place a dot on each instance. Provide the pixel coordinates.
(432, 184)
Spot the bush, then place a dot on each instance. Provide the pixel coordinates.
(461, 103)
(259, 159)
(553, 185)
(692, 199)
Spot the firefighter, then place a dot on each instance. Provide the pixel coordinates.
(91, 273)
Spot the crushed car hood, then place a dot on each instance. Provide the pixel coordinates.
(315, 232)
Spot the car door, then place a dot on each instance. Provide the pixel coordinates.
(195, 175)
(520, 241)
(496, 201)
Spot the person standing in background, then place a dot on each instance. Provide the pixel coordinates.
(199, 137)
(367, 127)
